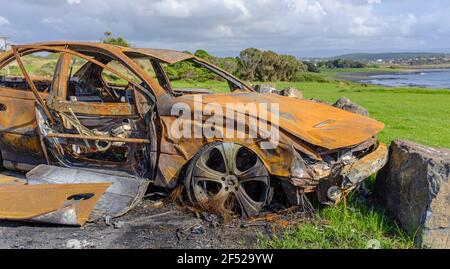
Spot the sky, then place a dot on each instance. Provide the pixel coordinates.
(305, 28)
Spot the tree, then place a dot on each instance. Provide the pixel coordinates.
(229, 64)
(288, 67)
(248, 62)
(203, 54)
(267, 68)
(310, 67)
(341, 63)
(110, 39)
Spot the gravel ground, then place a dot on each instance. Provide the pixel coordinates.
(146, 226)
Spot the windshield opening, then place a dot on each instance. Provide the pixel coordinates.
(191, 76)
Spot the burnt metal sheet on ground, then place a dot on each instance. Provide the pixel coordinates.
(68, 204)
(8, 178)
(124, 193)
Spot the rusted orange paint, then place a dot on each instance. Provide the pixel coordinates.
(8, 180)
(99, 109)
(18, 133)
(317, 124)
(32, 201)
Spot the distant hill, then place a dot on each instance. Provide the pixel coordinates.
(390, 56)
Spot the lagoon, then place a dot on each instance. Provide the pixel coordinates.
(436, 78)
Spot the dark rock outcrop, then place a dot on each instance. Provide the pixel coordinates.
(415, 188)
(345, 104)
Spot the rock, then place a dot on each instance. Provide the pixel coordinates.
(291, 92)
(211, 218)
(373, 244)
(347, 105)
(288, 92)
(119, 224)
(158, 204)
(415, 187)
(198, 229)
(266, 88)
(73, 244)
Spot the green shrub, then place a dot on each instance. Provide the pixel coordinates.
(310, 77)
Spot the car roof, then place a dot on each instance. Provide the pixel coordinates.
(163, 55)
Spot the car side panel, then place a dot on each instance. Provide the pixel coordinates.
(19, 139)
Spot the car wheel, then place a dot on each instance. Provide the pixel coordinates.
(229, 178)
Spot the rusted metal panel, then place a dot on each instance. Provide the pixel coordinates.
(69, 204)
(163, 55)
(175, 153)
(168, 56)
(315, 123)
(124, 191)
(98, 109)
(83, 49)
(19, 138)
(365, 167)
(9, 178)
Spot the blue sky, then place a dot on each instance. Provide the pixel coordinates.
(224, 27)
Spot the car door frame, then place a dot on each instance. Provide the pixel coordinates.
(20, 142)
(141, 94)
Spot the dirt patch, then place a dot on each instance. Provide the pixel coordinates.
(149, 225)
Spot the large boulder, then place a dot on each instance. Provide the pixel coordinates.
(415, 188)
(288, 92)
(345, 104)
(266, 88)
(291, 92)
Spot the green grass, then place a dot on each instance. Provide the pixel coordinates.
(338, 227)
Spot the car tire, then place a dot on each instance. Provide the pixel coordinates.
(226, 171)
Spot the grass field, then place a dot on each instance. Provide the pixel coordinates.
(351, 227)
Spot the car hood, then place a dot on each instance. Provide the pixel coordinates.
(318, 124)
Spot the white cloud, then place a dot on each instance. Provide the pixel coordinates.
(4, 21)
(237, 4)
(231, 25)
(51, 20)
(224, 31)
(172, 8)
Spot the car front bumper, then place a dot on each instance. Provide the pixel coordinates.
(365, 167)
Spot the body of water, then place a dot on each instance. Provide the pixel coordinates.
(424, 78)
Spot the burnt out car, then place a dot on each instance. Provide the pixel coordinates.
(86, 138)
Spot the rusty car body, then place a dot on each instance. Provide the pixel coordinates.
(76, 128)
